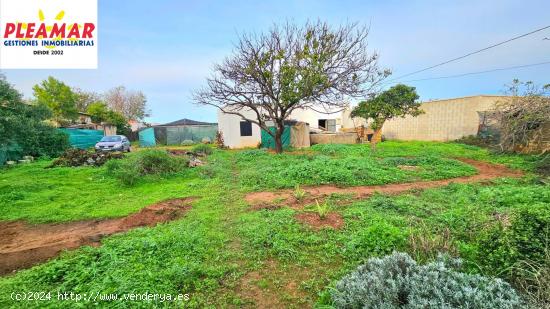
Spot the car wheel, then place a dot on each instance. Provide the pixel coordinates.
(129, 149)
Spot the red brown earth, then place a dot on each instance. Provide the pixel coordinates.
(270, 200)
(332, 220)
(23, 245)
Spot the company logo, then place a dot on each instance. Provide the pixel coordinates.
(59, 34)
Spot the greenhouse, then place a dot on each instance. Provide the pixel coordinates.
(178, 132)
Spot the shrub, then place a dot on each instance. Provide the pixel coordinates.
(220, 142)
(378, 239)
(78, 157)
(10, 152)
(397, 281)
(525, 239)
(23, 130)
(542, 166)
(146, 162)
(202, 149)
(535, 281)
(299, 193)
(187, 142)
(478, 141)
(322, 209)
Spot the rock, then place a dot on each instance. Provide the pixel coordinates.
(195, 162)
(30, 158)
(10, 162)
(24, 161)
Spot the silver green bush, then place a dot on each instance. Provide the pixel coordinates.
(397, 281)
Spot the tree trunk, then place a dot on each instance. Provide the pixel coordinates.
(278, 138)
(377, 136)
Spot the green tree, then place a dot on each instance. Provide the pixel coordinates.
(292, 67)
(398, 101)
(58, 97)
(23, 130)
(100, 112)
(121, 123)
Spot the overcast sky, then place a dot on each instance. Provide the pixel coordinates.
(167, 48)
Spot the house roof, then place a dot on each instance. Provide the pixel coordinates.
(185, 122)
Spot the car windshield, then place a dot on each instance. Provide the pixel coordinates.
(111, 139)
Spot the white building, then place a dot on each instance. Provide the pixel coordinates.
(240, 133)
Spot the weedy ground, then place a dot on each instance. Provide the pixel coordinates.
(225, 254)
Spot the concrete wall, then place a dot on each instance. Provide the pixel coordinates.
(351, 123)
(338, 138)
(444, 120)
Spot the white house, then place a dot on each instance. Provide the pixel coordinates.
(240, 133)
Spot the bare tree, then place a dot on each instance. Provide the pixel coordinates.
(85, 98)
(523, 120)
(293, 67)
(131, 104)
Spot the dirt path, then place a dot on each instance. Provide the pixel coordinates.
(23, 245)
(486, 171)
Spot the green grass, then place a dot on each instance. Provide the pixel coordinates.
(36, 194)
(354, 166)
(208, 252)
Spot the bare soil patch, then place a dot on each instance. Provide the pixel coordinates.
(273, 286)
(332, 220)
(23, 245)
(486, 172)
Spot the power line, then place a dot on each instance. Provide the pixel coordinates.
(473, 73)
(472, 53)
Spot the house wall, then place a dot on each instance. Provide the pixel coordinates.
(444, 120)
(312, 117)
(228, 124)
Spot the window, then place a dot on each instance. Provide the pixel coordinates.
(323, 124)
(246, 128)
(327, 125)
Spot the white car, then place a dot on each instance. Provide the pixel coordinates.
(113, 143)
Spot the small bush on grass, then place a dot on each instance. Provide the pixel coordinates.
(534, 281)
(322, 209)
(78, 157)
(478, 141)
(299, 193)
(396, 281)
(187, 142)
(525, 239)
(147, 162)
(379, 238)
(202, 149)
